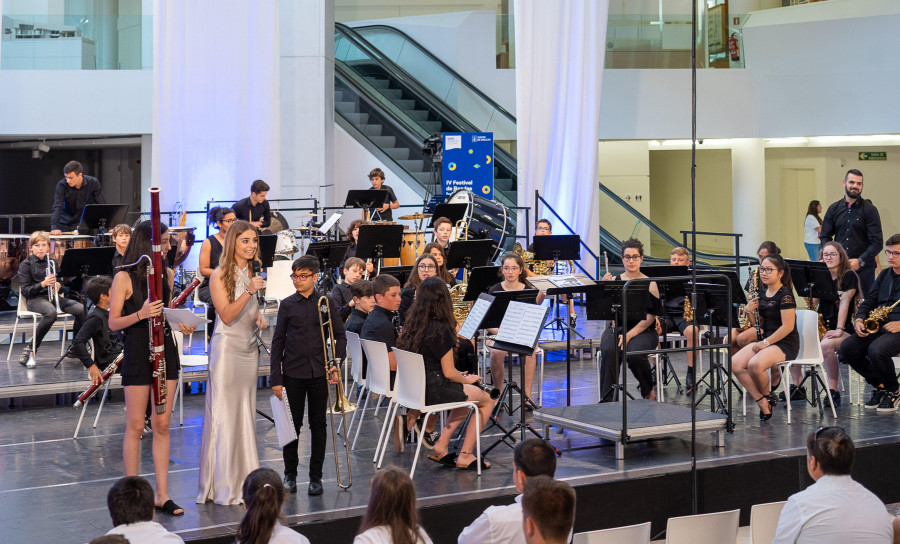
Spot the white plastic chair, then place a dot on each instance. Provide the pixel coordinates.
(809, 354)
(378, 381)
(205, 307)
(278, 285)
(631, 534)
(764, 522)
(718, 528)
(410, 392)
(103, 398)
(23, 313)
(187, 362)
(354, 350)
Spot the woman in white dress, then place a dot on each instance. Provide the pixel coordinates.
(262, 524)
(391, 516)
(228, 450)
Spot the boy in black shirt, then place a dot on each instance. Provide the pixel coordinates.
(96, 328)
(255, 209)
(382, 323)
(363, 302)
(298, 364)
(341, 294)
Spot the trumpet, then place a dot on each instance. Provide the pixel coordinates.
(53, 290)
(877, 316)
(341, 404)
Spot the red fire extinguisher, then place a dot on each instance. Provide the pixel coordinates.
(733, 48)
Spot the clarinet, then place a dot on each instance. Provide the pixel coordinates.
(157, 324)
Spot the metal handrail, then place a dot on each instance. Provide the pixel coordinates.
(539, 199)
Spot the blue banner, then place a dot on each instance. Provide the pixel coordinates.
(469, 162)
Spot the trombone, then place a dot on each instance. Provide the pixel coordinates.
(53, 290)
(341, 404)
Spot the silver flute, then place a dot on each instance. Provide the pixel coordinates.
(53, 290)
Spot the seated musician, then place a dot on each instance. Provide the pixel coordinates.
(438, 252)
(443, 230)
(255, 209)
(383, 212)
(353, 238)
(426, 267)
(121, 235)
(210, 253)
(544, 228)
(675, 316)
(639, 336)
(36, 286)
(780, 342)
(838, 316)
(73, 193)
(340, 294)
(431, 332)
(363, 302)
(96, 328)
(380, 325)
(870, 353)
(512, 270)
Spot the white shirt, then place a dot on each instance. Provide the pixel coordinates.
(834, 510)
(146, 532)
(496, 524)
(284, 535)
(382, 535)
(810, 236)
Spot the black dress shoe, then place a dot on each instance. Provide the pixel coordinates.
(290, 483)
(315, 487)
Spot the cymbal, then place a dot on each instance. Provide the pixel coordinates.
(301, 229)
(313, 214)
(415, 216)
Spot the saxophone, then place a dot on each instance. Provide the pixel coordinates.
(688, 309)
(822, 328)
(458, 292)
(752, 292)
(877, 317)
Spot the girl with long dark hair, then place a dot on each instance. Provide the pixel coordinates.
(426, 267)
(263, 495)
(436, 250)
(391, 516)
(210, 253)
(838, 316)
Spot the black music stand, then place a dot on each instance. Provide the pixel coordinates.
(604, 302)
(453, 212)
(713, 307)
(560, 247)
(100, 217)
(481, 278)
(400, 272)
(330, 255)
(365, 199)
(671, 289)
(267, 243)
(379, 242)
(468, 254)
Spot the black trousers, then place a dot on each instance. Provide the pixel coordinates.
(313, 391)
(871, 357)
(47, 310)
(866, 278)
(639, 364)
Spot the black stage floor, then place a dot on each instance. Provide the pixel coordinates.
(54, 488)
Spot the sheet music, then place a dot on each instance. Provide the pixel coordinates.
(175, 316)
(326, 226)
(522, 323)
(474, 319)
(566, 280)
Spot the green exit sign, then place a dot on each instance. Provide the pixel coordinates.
(873, 155)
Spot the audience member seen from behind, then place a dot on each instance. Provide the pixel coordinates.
(263, 495)
(812, 225)
(548, 511)
(110, 539)
(503, 524)
(391, 517)
(835, 509)
(130, 504)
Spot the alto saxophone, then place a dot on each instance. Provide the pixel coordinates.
(877, 317)
(688, 309)
(822, 328)
(752, 292)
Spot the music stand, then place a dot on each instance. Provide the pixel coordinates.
(453, 212)
(481, 278)
(84, 262)
(400, 272)
(560, 247)
(671, 289)
(329, 255)
(266, 250)
(468, 254)
(379, 242)
(714, 307)
(365, 199)
(100, 217)
(604, 302)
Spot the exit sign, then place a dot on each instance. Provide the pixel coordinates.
(873, 155)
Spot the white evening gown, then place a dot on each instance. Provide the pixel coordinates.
(228, 450)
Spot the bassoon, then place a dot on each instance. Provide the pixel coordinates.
(155, 274)
(185, 294)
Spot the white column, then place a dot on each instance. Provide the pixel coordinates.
(307, 100)
(748, 187)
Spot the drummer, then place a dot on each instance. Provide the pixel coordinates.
(255, 209)
(121, 235)
(382, 213)
(73, 193)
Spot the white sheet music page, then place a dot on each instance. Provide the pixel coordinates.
(473, 320)
(522, 323)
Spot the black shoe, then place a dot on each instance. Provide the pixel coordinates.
(689, 380)
(889, 402)
(290, 483)
(762, 415)
(430, 439)
(797, 393)
(315, 488)
(875, 401)
(834, 396)
(26, 354)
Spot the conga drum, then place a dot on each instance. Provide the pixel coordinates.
(13, 250)
(408, 249)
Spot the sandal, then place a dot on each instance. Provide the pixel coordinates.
(448, 460)
(474, 464)
(169, 507)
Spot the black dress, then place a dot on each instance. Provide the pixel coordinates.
(770, 314)
(829, 310)
(215, 254)
(136, 368)
(437, 340)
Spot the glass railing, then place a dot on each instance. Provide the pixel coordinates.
(77, 42)
(464, 97)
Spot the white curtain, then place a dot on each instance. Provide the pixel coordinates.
(215, 101)
(559, 67)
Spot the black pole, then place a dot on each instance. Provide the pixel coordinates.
(694, 246)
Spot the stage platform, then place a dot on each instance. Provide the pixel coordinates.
(54, 488)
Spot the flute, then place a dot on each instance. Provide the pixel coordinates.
(606, 262)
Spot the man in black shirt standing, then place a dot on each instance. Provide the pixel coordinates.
(383, 212)
(255, 209)
(297, 364)
(854, 223)
(73, 193)
(871, 354)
